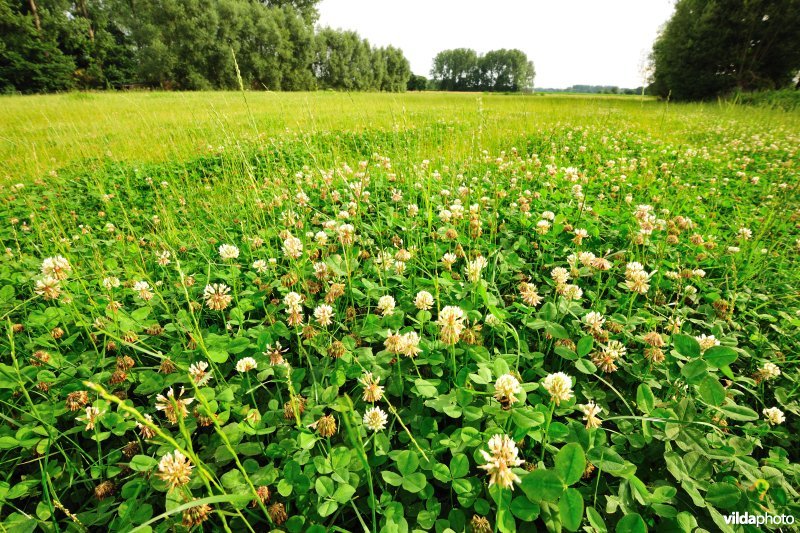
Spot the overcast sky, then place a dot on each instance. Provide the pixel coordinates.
(595, 42)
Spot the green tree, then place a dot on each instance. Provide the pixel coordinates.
(30, 57)
(710, 47)
(505, 70)
(417, 82)
(456, 70)
(397, 70)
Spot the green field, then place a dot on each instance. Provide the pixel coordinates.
(43, 133)
(377, 312)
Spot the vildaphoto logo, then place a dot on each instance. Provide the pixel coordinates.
(741, 519)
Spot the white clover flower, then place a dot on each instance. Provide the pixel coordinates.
(217, 296)
(292, 247)
(245, 364)
(774, 416)
(745, 234)
(423, 301)
(503, 456)
(198, 373)
(590, 412)
(228, 251)
(260, 266)
(372, 391)
(451, 322)
(530, 294)
(706, 342)
(56, 267)
(48, 287)
(593, 321)
(292, 302)
(91, 417)
(386, 305)
(324, 315)
(769, 371)
(560, 275)
(142, 289)
(505, 388)
(375, 419)
(110, 282)
(559, 385)
(175, 469)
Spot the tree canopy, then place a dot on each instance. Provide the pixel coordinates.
(463, 69)
(55, 45)
(710, 47)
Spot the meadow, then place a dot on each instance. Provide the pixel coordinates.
(397, 312)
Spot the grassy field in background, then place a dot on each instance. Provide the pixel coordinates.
(39, 134)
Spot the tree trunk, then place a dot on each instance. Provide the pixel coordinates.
(35, 13)
(85, 13)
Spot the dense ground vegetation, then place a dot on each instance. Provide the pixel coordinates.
(383, 313)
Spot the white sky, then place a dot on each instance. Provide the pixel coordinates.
(594, 42)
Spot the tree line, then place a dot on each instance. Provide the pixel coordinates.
(58, 45)
(713, 47)
(463, 69)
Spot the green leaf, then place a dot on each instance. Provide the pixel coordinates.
(631, 523)
(542, 485)
(324, 486)
(720, 356)
(712, 391)
(524, 509)
(596, 520)
(426, 388)
(585, 345)
(526, 418)
(344, 493)
(218, 356)
(570, 463)
(556, 331)
(441, 472)
(694, 371)
(414, 482)
(8, 443)
(607, 459)
(739, 412)
(585, 366)
(142, 463)
(284, 487)
(686, 346)
(570, 508)
(500, 367)
(645, 399)
(548, 312)
(392, 478)
(407, 462)
(723, 495)
(459, 465)
(327, 508)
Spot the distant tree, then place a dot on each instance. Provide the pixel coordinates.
(463, 69)
(345, 61)
(417, 83)
(397, 70)
(506, 71)
(710, 47)
(456, 70)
